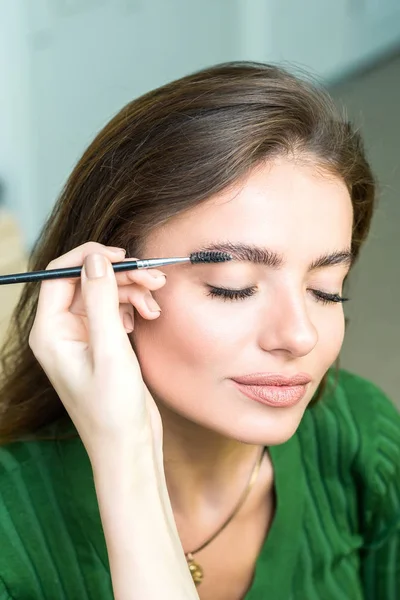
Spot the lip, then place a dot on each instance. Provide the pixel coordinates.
(273, 379)
(277, 396)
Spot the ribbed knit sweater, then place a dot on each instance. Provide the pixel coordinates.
(335, 533)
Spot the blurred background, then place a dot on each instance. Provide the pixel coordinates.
(66, 66)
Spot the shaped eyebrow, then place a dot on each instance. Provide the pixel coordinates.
(264, 256)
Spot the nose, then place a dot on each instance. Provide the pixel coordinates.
(286, 326)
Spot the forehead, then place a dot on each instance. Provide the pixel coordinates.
(290, 207)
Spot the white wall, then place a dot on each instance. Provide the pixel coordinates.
(66, 66)
(16, 168)
(86, 60)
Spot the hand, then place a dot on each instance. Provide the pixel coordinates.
(79, 337)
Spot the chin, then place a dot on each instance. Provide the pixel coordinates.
(270, 435)
(276, 426)
(260, 424)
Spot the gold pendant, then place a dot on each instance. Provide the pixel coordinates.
(195, 569)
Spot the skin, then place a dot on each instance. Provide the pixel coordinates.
(212, 432)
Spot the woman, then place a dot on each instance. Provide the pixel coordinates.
(188, 433)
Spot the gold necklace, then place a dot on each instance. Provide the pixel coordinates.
(194, 567)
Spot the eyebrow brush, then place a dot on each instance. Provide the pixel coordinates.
(128, 265)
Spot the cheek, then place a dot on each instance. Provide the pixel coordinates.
(199, 338)
(331, 335)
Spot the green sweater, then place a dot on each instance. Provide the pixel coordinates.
(335, 534)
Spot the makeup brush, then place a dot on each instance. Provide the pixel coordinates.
(128, 265)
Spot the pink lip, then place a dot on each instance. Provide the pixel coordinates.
(278, 396)
(273, 379)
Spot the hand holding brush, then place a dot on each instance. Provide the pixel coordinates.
(80, 339)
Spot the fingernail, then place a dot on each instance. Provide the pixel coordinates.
(116, 250)
(128, 322)
(95, 266)
(152, 304)
(157, 275)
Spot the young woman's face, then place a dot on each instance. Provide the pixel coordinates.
(203, 339)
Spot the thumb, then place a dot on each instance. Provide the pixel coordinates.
(100, 296)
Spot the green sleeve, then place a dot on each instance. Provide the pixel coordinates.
(381, 553)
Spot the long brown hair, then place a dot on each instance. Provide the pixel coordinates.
(164, 153)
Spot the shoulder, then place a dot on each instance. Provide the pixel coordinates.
(19, 458)
(360, 412)
(32, 467)
(29, 474)
(360, 406)
(32, 508)
(358, 431)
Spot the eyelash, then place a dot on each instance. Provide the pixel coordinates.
(230, 294)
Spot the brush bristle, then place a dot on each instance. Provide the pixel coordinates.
(209, 257)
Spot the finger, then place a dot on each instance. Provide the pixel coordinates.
(56, 295)
(126, 315)
(131, 294)
(101, 301)
(142, 300)
(153, 279)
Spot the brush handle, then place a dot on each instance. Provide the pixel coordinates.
(128, 265)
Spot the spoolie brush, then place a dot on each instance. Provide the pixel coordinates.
(128, 265)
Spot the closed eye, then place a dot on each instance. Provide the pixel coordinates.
(326, 298)
(242, 294)
(231, 294)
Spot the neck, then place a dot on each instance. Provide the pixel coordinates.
(205, 471)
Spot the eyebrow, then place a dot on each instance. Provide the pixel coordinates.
(264, 256)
